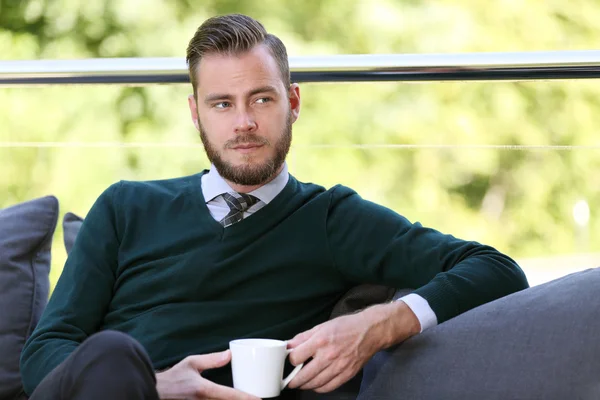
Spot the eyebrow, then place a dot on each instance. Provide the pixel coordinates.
(223, 96)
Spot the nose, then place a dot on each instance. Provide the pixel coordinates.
(244, 122)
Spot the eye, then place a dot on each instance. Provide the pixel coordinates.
(264, 100)
(222, 105)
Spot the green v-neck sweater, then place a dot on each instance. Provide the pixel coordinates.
(151, 261)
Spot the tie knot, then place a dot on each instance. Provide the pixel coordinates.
(239, 201)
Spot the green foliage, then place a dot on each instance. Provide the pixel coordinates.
(519, 201)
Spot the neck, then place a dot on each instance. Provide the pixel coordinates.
(248, 189)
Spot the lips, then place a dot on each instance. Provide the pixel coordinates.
(247, 146)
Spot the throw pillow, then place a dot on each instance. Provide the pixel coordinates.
(26, 232)
(71, 225)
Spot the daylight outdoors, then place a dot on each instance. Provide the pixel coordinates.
(512, 164)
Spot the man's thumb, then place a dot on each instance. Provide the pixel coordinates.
(208, 361)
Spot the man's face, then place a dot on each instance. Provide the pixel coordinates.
(244, 114)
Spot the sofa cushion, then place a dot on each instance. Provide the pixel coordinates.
(360, 297)
(539, 343)
(26, 232)
(71, 225)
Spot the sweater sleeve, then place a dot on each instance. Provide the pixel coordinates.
(371, 243)
(81, 297)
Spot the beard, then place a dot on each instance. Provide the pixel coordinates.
(250, 174)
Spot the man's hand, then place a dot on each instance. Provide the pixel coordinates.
(342, 346)
(184, 381)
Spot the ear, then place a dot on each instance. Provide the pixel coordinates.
(194, 110)
(294, 96)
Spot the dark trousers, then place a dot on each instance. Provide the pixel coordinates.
(113, 365)
(108, 365)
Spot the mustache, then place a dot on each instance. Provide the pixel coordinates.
(246, 139)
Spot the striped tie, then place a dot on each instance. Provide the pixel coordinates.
(238, 203)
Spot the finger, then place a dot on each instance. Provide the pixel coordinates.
(320, 379)
(213, 391)
(335, 383)
(300, 338)
(305, 350)
(208, 361)
(308, 372)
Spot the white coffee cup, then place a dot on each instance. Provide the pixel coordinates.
(257, 366)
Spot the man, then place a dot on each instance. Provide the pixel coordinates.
(165, 273)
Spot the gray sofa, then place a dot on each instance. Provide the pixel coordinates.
(539, 343)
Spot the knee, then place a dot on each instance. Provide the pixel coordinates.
(112, 345)
(111, 362)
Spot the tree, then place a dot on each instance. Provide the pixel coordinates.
(519, 200)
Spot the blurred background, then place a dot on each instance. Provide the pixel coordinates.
(479, 166)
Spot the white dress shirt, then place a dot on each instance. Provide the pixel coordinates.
(213, 186)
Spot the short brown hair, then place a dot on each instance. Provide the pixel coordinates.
(234, 34)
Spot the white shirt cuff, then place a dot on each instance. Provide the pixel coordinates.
(420, 307)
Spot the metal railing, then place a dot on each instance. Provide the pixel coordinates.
(582, 64)
(339, 68)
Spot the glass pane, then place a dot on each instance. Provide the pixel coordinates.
(513, 165)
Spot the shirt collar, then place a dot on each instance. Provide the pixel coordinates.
(214, 185)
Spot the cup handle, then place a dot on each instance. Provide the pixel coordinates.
(292, 374)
